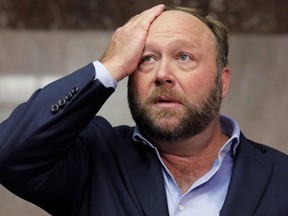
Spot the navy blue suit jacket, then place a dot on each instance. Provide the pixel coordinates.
(69, 162)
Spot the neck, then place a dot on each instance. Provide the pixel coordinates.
(190, 159)
(208, 142)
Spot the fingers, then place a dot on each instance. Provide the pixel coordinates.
(145, 18)
(124, 51)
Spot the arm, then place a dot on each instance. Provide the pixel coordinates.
(36, 143)
(41, 157)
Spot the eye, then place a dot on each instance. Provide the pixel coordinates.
(184, 57)
(146, 63)
(146, 59)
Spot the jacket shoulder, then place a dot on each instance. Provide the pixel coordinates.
(270, 151)
(279, 158)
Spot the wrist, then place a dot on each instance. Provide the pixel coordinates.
(116, 71)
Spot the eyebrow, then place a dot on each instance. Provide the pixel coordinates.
(183, 43)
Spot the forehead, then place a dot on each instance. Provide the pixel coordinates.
(180, 25)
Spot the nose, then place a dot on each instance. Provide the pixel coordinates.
(164, 75)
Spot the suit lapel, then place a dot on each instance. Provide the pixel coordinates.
(251, 174)
(147, 182)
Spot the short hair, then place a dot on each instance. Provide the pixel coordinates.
(219, 30)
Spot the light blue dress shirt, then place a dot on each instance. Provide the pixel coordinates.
(206, 196)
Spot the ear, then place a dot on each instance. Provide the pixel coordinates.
(225, 77)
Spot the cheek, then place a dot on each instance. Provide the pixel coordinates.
(140, 84)
(196, 86)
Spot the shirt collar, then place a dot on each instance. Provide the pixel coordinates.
(231, 129)
(228, 126)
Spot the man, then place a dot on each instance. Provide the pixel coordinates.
(182, 158)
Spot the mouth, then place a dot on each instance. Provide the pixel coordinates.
(166, 102)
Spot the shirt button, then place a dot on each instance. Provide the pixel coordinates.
(181, 207)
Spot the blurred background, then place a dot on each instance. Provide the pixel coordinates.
(41, 41)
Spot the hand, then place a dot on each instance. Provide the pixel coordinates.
(124, 51)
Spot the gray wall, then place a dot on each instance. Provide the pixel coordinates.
(257, 97)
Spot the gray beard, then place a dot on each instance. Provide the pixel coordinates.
(193, 121)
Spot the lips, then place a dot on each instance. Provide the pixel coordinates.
(164, 101)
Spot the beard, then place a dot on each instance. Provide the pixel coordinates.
(157, 122)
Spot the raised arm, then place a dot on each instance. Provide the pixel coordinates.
(40, 150)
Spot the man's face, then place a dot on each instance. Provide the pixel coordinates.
(175, 92)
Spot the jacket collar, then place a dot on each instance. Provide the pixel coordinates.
(250, 176)
(147, 182)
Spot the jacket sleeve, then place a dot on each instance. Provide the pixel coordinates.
(41, 156)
